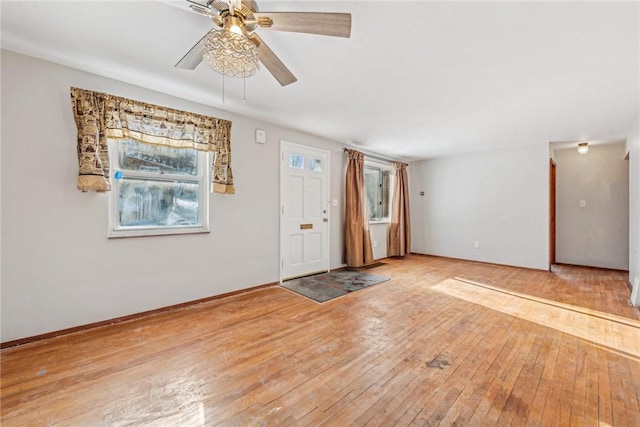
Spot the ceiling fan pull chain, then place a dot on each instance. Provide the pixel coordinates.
(223, 88)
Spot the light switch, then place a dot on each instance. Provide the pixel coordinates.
(261, 136)
(334, 202)
(583, 203)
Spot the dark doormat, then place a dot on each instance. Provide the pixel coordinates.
(326, 286)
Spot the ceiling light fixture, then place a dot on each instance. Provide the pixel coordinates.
(229, 51)
(583, 148)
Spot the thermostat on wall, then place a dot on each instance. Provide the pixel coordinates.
(261, 136)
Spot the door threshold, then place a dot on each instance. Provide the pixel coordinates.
(305, 275)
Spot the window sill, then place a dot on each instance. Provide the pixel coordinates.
(118, 234)
(379, 221)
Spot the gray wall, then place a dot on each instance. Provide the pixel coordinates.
(596, 235)
(498, 199)
(59, 270)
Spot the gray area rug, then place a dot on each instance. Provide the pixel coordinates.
(326, 286)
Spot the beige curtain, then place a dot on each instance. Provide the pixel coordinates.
(399, 241)
(357, 240)
(100, 116)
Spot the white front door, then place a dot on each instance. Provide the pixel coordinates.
(304, 197)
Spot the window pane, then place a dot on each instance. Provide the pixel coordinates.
(296, 161)
(373, 184)
(148, 203)
(137, 156)
(378, 187)
(315, 165)
(384, 194)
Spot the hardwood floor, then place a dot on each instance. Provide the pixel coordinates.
(415, 350)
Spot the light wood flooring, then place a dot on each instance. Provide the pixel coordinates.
(419, 349)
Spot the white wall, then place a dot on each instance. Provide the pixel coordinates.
(633, 147)
(499, 199)
(59, 270)
(379, 233)
(596, 235)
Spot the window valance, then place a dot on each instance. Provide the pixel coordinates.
(100, 116)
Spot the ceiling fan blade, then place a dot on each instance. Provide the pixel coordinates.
(193, 58)
(272, 62)
(326, 24)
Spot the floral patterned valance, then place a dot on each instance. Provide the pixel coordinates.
(100, 116)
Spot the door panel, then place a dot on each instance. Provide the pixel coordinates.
(296, 245)
(296, 197)
(313, 202)
(305, 210)
(314, 247)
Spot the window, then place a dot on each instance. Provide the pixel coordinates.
(315, 165)
(377, 182)
(157, 190)
(296, 161)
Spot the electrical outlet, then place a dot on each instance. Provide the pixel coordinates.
(476, 245)
(375, 243)
(583, 203)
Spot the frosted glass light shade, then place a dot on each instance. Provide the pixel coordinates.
(583, 148)
(230, 54)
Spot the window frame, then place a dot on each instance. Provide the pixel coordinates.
(383, 168)
(202, 178)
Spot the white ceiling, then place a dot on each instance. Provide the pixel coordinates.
(415, 80)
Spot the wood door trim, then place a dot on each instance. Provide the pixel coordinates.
(552, 213)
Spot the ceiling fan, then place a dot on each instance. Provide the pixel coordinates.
(233, 48)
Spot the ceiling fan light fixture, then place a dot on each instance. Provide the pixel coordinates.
(236, 50)
(583, 148)
(234, 25)
(230, 54)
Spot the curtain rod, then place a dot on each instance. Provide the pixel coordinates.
(377, 158)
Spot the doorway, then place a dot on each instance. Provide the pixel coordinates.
(304, 210)
(552, 213)
(592, 206)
